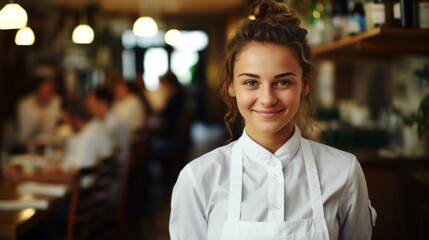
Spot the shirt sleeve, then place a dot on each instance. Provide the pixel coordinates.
(187, 217)
(355, 211)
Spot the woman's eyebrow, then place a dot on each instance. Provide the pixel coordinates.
(275, 76)
(284, 75)
(248, 75)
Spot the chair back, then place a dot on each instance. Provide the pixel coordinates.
(91, 190)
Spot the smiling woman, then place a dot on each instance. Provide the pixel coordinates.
(272, 183)
(268, 86)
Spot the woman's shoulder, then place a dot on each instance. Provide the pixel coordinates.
(212, 162)
(332, 155)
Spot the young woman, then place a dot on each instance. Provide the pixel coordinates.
(271, 183)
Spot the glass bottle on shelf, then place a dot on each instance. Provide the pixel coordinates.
(397, 13)
(319, 23)
(339, 19)
(356, 19)
(404, 13)
(423, 13)
(375, 14)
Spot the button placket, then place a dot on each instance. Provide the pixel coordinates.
(277, 186)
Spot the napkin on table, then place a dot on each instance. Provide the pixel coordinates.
(19, 204)
(47, 189)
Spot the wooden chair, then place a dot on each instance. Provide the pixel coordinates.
(89, 203)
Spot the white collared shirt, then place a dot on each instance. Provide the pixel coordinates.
(200, 196)
(130, 111)
(35, 119)
(88, 146)
(119, 134)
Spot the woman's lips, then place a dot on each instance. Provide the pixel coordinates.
(268, 114)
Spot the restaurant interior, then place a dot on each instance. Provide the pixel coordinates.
(371, 96)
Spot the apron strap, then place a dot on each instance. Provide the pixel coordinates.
(236, 182)
(313, 180)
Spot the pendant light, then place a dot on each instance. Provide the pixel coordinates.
(145, 26)
(13, 16)
(25, 37)
(83, 33)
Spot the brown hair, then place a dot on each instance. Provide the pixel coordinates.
(274, 23)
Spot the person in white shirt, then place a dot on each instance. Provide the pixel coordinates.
(38, 113)
(129, 107)
(91, 141)
(99, 103)
(272, 183)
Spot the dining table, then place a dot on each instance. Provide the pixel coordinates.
(18, 221)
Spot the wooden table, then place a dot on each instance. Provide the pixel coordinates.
(17, 222)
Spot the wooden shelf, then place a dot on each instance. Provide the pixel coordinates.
(383, 42)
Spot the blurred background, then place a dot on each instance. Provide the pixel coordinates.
(371, 89)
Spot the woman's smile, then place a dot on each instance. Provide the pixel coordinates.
(268, 114)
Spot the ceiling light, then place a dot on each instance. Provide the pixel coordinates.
(172, 36)
(13, 16)
(190, 41)
(83, 34)
(24, 37)
(145, 27)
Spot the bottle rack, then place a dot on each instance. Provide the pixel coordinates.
(382, 42)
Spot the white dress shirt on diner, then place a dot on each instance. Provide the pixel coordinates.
(88, 146)
(130, 111)
(35, 119)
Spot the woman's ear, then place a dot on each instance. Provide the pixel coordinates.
(231, 90)
(305, 87)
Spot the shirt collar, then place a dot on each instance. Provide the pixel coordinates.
(285, 153)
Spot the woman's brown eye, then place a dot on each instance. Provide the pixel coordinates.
(283, 83)
(250, 83)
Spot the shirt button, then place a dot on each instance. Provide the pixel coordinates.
(275, 177)
(274, 163)
(278, 206)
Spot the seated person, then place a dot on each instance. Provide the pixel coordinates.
(129, 107)
(99, 103)
(38, 112)
(89, 143)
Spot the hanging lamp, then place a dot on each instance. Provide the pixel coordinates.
(13, 16)
(145, 26)
(25, 37)
(83, 33)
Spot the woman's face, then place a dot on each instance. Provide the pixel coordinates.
(268, 86)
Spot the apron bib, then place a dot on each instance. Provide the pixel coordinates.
(312, 228)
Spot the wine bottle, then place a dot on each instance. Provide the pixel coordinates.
(339, 19)
(404, 13)
(423, 13)
(356, 22)
(375, 14)
(397, 13)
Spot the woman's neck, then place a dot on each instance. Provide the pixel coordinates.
(272, 141)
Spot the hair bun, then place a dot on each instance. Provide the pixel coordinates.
(272, 11)
(263, 9)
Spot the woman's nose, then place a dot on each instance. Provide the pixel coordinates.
(268, 97)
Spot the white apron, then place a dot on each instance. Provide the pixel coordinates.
(313, 228)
